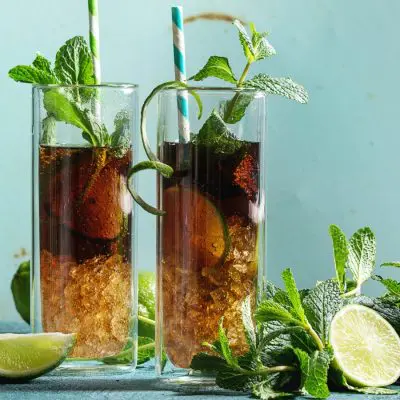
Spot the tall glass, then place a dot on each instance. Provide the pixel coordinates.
(211, 239)
(83, 222)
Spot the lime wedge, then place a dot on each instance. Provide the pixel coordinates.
(24, 357)
(366, 347)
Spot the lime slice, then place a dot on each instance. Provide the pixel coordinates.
(193, 228)
(366, 347)
(26, 357)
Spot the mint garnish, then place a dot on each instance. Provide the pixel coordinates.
(216, 135)
(217, 67)
(280, 86)
(73, 66)
(31, 74)
(74, 63)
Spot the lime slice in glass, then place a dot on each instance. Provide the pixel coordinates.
(26, 357)
(366, 347)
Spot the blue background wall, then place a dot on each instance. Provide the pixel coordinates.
(333, 161)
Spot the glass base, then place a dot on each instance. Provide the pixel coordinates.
(73, 367)
(191, 382)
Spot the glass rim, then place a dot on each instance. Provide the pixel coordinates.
(216, 89)
(112, 85)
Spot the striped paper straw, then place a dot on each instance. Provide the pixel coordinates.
(94, 36)
(180, 72)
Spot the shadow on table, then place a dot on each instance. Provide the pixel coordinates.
(104, 385)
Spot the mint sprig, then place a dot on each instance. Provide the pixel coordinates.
(73, 66)
(289, 347)
(256, 47)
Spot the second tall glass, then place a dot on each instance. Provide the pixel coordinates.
(211, 239)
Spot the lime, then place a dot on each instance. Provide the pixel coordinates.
(20, 289)
(193, 229)
(25, 357)
(366, 347)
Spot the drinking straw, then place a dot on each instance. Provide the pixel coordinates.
(180, 72)
(94, 39)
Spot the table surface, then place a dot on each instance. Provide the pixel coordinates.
(143, 384)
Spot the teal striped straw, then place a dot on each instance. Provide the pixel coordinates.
(180, 72)
(94, 36)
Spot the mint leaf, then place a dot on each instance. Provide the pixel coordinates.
(43, 64)
(304, 362)
(340, 254)
(263, 391)
(269, 310)
(232, 111)
(63, 109)
(217, 67)
(216, 135)
(293, 293)
(248, 325)
(49, 130)
(120, 139)
(394, 264)
(321, 305)
(245, 40)
(146, 347)
(224, 346)
(391, 285)
(279, 86)
(262, 48)
(73, 63)
(316, 382)
(28, 74)
(362, 252)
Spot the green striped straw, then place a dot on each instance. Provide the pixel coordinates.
(180, 72)
(94, 36)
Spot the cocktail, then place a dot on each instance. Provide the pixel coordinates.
(211, 239)
(83, 144)
(83, 224)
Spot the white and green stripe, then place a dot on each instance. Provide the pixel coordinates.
(94, 38)
(180, 72)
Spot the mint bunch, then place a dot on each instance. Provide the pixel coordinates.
(288, 335)
(71, 104)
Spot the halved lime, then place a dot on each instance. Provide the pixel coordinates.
(366, 347)
(24, 357)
